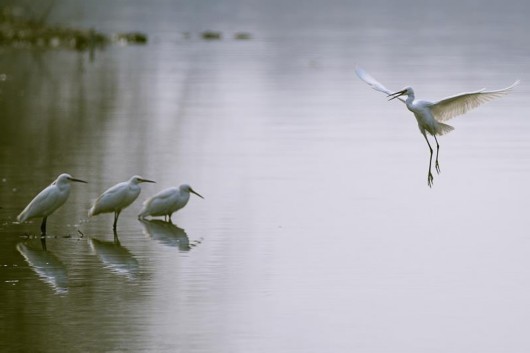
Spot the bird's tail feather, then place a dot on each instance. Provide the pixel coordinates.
(22, 217)
(92, 211)
(442, 129)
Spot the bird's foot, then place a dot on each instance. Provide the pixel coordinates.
(437, 167)
(430, 179)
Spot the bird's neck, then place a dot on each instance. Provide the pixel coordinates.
(63, 186)
(409, 100)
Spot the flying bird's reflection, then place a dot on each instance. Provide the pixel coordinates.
(115, 257)
(167, 233)
(48, 266)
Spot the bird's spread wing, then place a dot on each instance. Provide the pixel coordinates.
(459, 104)
(372, 82)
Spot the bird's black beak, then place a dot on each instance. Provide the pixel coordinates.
(146, 181)
(196, 193)
(78, 180)
(396, 94)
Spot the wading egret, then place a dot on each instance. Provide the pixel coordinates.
(118, 197)
(167, 201)
(431, 115)
(48, 200)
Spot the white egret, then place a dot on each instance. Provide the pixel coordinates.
(48, 200)
(167, 201)
(118, 197)
(431, 115)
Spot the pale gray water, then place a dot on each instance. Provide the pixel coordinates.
(318, 232)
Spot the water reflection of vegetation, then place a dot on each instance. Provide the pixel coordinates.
(19, 29)
(48, 266)
(114, 256)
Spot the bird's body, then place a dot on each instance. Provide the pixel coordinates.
(167, 201)
(48, 200)
(118, 197)
(432, 115)
(422, 110)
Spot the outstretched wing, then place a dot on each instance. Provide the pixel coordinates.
(459, 104)
(372, 82)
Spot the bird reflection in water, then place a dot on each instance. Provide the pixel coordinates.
(115, 257)
(168, 234)
(47, 266)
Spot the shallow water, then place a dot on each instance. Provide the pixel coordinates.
(318, 232)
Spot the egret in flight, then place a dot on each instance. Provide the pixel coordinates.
(48, 200)
(167, 201)
(118, 197)
(432, 115)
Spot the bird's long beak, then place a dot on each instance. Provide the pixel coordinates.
(396, 94)
(196, 193)
(146, 181)
(77, 180)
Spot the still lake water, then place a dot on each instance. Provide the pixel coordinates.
(318, 232)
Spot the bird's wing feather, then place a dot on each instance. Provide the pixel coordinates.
(167, 196)
(372, 82)
(459, 104)
(45, 201)
(107, 201)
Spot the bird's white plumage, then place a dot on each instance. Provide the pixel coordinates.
(118, 196)
(446, 108)
(167, 201)
(430, 116)
(459, 104)
(163, 203)
(115, 198)
(49, 199)
(372, 82)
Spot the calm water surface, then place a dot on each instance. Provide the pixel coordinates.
(318, 232)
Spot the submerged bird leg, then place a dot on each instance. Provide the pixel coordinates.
(43, 227)
(430, 178)
(436, 164)
(43, 243)
(116, 239)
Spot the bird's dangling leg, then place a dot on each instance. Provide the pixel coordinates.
(43, 227)
(436, 164)
(430, 178)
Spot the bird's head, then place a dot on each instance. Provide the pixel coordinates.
(66, 178)
(138, 179)
(407, 91)
(187, 188)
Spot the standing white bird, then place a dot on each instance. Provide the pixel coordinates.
(118, 197)
(431, 115)
(48, 200)
(167, 201)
